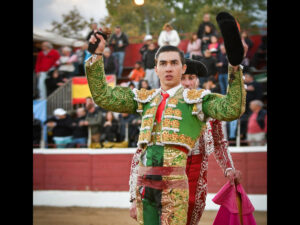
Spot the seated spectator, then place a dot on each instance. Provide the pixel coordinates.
(80, 132)
(149, 64)
(110, 128)
(194, 47)
(137, 73)
(210, 63)
(54, 81)
(214, 46)
(168, 36)
(133, 122)
(61, 124)
(205, 21)
(147, 41)
(66, 63)
(37, 129)
(144, 84)
(212, 85)
(110, 63)
(257, 124)
(94, 121)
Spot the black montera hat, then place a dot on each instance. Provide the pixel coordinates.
(195, 67)
(232, 40)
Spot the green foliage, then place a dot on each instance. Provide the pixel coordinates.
(72, 24)
(188, 14)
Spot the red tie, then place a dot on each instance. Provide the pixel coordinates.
(161, 107)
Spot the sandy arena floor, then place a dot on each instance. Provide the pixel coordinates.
(105, 216)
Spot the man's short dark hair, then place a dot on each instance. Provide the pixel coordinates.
(170, 48)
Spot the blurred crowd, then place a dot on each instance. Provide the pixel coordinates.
(55, 68)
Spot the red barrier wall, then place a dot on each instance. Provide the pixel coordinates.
(110, 172)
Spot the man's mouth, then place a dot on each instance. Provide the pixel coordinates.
(169, 77)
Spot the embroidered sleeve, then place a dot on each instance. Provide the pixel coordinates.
(134, 174)
(118, 99)
(221, 152)
(230, 106)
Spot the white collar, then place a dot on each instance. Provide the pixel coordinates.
(173, 90)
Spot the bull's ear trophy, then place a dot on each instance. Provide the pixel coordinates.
(105, 32)
(230, 30)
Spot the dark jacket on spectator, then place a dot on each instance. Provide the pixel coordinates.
(122, 38)
(51, 84)
(143, 50)
(95, 120)
(110, 65)
(63, 128)
(253, 95)
(210, 64)
(80, 131)
(201, 28)
(149, 61)
(110, 133)
(37, 128)
(223, 59)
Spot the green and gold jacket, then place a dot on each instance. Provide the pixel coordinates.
(185, 113)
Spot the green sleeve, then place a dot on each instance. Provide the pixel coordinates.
(118, 99)
(230, 106)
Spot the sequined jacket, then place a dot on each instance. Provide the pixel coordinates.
(186, 109)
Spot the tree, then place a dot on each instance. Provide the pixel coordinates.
(186, 14)
(72, 24)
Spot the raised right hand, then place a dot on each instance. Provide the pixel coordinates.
(133, 210)
(101, 45)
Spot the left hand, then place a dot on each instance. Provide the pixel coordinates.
(133, 213)
(234, 176)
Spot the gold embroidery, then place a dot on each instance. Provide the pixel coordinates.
(143, 94)
(169, 112)
(150, 111)
(166, 123)
(147, 122)
(175, 123)
(194, 94)
(177, 112)
(173, 101)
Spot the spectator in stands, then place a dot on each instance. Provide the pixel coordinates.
(254, 89)
(210, 63)
(168, 36)
(147, 41)
(37, 129)
(206, 21)
(46, 61)
(110, 63)
(110, 128)
(205, 41)
(214, 46)
(66, 63)
(247, 40)
(81, 55)
(254, 92)
(80, 130)
(222, 67)
(260, 55)
(61, 124)
(119, 42)
(144, 84)
(133, 121)
(149, 63)
(132, 85)
(257, 124)
(94, 28)
(212, 85)
(137, 73)
(54, 81)
(94, 121)
(194, 46)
